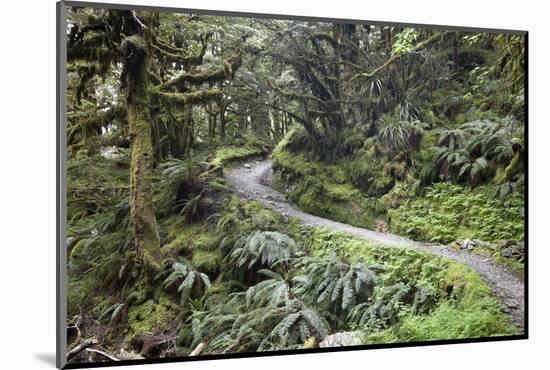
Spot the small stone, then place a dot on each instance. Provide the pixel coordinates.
(467, 244)
(70, 241)
(512, 304)
(247, 165)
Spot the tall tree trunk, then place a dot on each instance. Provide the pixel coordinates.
(144, 224)
(190, 128)
(223, 108)
(456, 45)
(214, 124)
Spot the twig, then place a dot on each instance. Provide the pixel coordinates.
(137, 19)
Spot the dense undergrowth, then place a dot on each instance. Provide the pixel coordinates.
(238, 277)
(416, 132)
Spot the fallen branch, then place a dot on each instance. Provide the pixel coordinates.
(103, 353)
(81, 347)
(198, 349)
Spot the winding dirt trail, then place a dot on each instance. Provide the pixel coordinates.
(253, 181)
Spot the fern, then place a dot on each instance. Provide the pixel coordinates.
(188, 280)
(335, 283)
(173, 173)
(271, 292)
(263, 248)
(195, 207)
(384, 309)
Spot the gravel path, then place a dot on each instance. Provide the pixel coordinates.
(253, 181)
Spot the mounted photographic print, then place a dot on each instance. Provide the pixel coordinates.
(236, 185)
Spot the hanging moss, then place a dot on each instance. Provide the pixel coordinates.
(226, 72)
(196, 97)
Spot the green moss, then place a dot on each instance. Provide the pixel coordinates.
(467, 287)
(220, 184)
(206, 261)
(321, 189)
(250, 147)
(465, 305)
(183, 239)
(182, 244)
(152, 315)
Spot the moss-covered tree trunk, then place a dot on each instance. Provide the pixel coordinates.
(144, 224)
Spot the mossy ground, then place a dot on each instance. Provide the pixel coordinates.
(107, 289)
(239, 150)
(323, 189)
(465, 306)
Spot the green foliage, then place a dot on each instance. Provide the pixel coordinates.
(393, 132)
(471, 152)
(206, 261)
(250, 147)
(324, 189)
(262, 248)
(95, 184)
(414, 289)
(383, 310)
(450, 212)
(97, 263)
(274, 291)
(153, 315)
(337, 284)
(187, 279)
(480, 320)
(357, 150)
(404, 41)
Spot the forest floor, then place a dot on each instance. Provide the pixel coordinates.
(253, 181)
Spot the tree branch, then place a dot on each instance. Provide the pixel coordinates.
(81, 347)
(226, 72)
(417, 47)
(196, 97)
